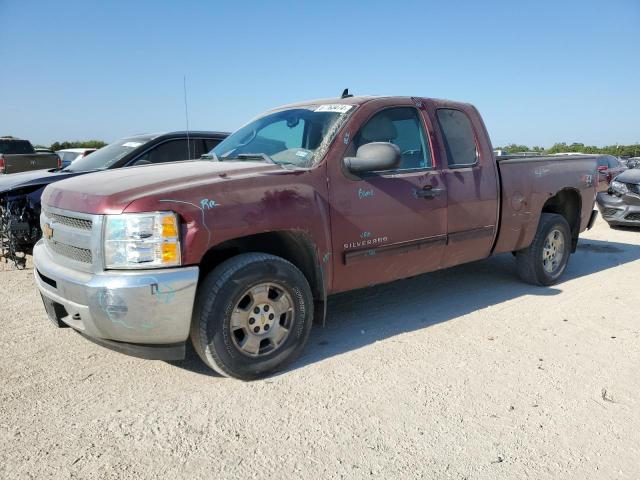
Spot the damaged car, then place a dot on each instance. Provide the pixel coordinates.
(620, 205)
(20, 193)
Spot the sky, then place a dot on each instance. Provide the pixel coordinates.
(540, 71)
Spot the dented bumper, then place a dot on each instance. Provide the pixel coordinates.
(142, 313)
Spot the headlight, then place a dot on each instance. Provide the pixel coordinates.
(141, 240)
(618, 187)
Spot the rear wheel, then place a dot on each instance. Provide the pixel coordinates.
(253, 315)
(545, 260)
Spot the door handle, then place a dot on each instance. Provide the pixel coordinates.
(428, 192)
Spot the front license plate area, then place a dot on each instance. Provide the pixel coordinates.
(55, 312)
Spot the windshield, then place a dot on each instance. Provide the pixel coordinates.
(297, 136)
(107, 156)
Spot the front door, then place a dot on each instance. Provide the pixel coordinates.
(390, 224)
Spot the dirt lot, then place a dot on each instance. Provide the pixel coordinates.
(465, 373)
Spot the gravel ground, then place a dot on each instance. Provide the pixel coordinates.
(464, 373)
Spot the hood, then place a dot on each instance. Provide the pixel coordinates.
(31, 178)
(110, 191)
(629, 176)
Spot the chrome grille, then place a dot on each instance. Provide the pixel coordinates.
(74, 253)
(79, 223)
(609, 212)
(633, 216)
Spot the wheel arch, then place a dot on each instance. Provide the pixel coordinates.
(568, 203)
(294, 246)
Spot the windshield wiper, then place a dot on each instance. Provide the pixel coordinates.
(210, 156)
(263, 156)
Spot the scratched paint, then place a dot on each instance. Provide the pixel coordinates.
(114, 307)
(326, 256)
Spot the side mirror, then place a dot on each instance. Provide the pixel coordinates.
(374, 156)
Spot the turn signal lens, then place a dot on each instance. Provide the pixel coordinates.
(170, 253)
(169, 227)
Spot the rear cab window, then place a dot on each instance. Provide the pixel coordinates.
(459, 138)
(16, 147)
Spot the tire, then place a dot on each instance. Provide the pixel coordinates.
(535, 264)
(226, 302)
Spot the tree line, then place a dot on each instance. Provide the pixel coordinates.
(77, 144)
(616, 150)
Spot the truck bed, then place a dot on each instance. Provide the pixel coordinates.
(526, 185)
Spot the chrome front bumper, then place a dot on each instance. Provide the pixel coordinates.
(146, 308)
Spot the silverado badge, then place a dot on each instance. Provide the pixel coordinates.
(47, 231)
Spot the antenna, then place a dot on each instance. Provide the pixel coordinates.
(346, 94)
(186, 115)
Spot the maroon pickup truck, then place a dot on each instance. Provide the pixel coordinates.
(239, 251)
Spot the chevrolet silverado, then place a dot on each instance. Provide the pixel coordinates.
(238, 252)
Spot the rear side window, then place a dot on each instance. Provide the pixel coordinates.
(459, 140)
(613, 162)
(173, 151)
(210, 144)
(11, 147)
(402, 127)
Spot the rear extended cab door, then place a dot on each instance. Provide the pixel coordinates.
(470, 175)
(383, 225)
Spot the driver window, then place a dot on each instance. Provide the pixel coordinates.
(402, 127)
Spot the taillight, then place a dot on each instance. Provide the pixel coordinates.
(59, 162)
(602, 168)
(1, 164)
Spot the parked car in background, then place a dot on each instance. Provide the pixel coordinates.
(608, 168)
(620, 205)
(633, 162)
(306, 200)
(68, 155)
(20, 193)
(18, 155)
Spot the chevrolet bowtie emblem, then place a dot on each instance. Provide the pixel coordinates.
(47, 231)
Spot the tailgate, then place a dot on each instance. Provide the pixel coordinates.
(27, 162)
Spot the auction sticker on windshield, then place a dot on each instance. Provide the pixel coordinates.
(336, 108)
(132, 144)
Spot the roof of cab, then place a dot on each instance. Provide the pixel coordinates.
(361, 99)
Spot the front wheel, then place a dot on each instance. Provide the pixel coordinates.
(545, 260)
(253, 315)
